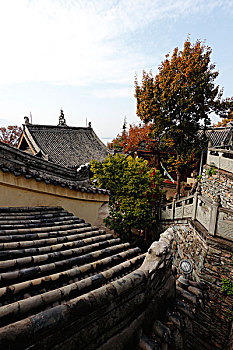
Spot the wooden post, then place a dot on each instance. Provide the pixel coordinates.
(214, 215)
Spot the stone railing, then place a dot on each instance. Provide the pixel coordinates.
(216, 220)
(220, 158)
(178, 209)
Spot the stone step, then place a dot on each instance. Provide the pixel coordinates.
(184, 294)
(162, 331)
(174, 330)
(185, 308)
(146, 343)
(175, 319)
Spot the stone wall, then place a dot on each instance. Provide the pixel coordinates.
(221, 183)
(191, 246)
(212, 260)
(231, 338)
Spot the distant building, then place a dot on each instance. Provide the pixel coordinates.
(63, 145)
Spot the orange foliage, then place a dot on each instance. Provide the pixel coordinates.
(129, 141)
(179, 100)
(225, 121)
(10, 135)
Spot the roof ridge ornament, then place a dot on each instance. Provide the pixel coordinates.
(62, 121)
(26, 120)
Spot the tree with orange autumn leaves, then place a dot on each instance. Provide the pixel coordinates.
(128, 141)
(178, 102)
(226, 121)
(10, 135)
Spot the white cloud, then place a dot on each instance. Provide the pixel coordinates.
(78, 42)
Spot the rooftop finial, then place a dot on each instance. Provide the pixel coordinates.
(62, 121)
(26, 120)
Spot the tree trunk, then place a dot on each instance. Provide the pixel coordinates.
(178, 175)
(130, 234)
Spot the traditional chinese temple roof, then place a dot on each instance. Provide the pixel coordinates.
(220, 136)
(63, 145)
(19, 163)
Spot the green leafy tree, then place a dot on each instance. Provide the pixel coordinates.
(179, 100)
(135, 192)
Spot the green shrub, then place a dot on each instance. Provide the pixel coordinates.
(227, 286)
(211, 171)
(135, 192)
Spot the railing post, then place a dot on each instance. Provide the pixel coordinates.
(195, 201)
(174, 206)
(220, 155)
(214, 215)
(182, 210)
(208, 153)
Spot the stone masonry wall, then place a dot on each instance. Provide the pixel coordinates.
(191, 246)
(221, 183)
(212, 260)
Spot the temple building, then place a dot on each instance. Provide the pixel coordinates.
(63, 145)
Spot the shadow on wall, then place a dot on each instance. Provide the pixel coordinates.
(103, 212)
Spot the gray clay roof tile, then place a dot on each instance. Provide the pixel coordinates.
(219, 136)
(68, 146)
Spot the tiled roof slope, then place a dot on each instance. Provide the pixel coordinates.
(220, 136)
(66, 146)
(48, 257)
(20, 163)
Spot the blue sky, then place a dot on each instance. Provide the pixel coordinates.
(82, 55)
